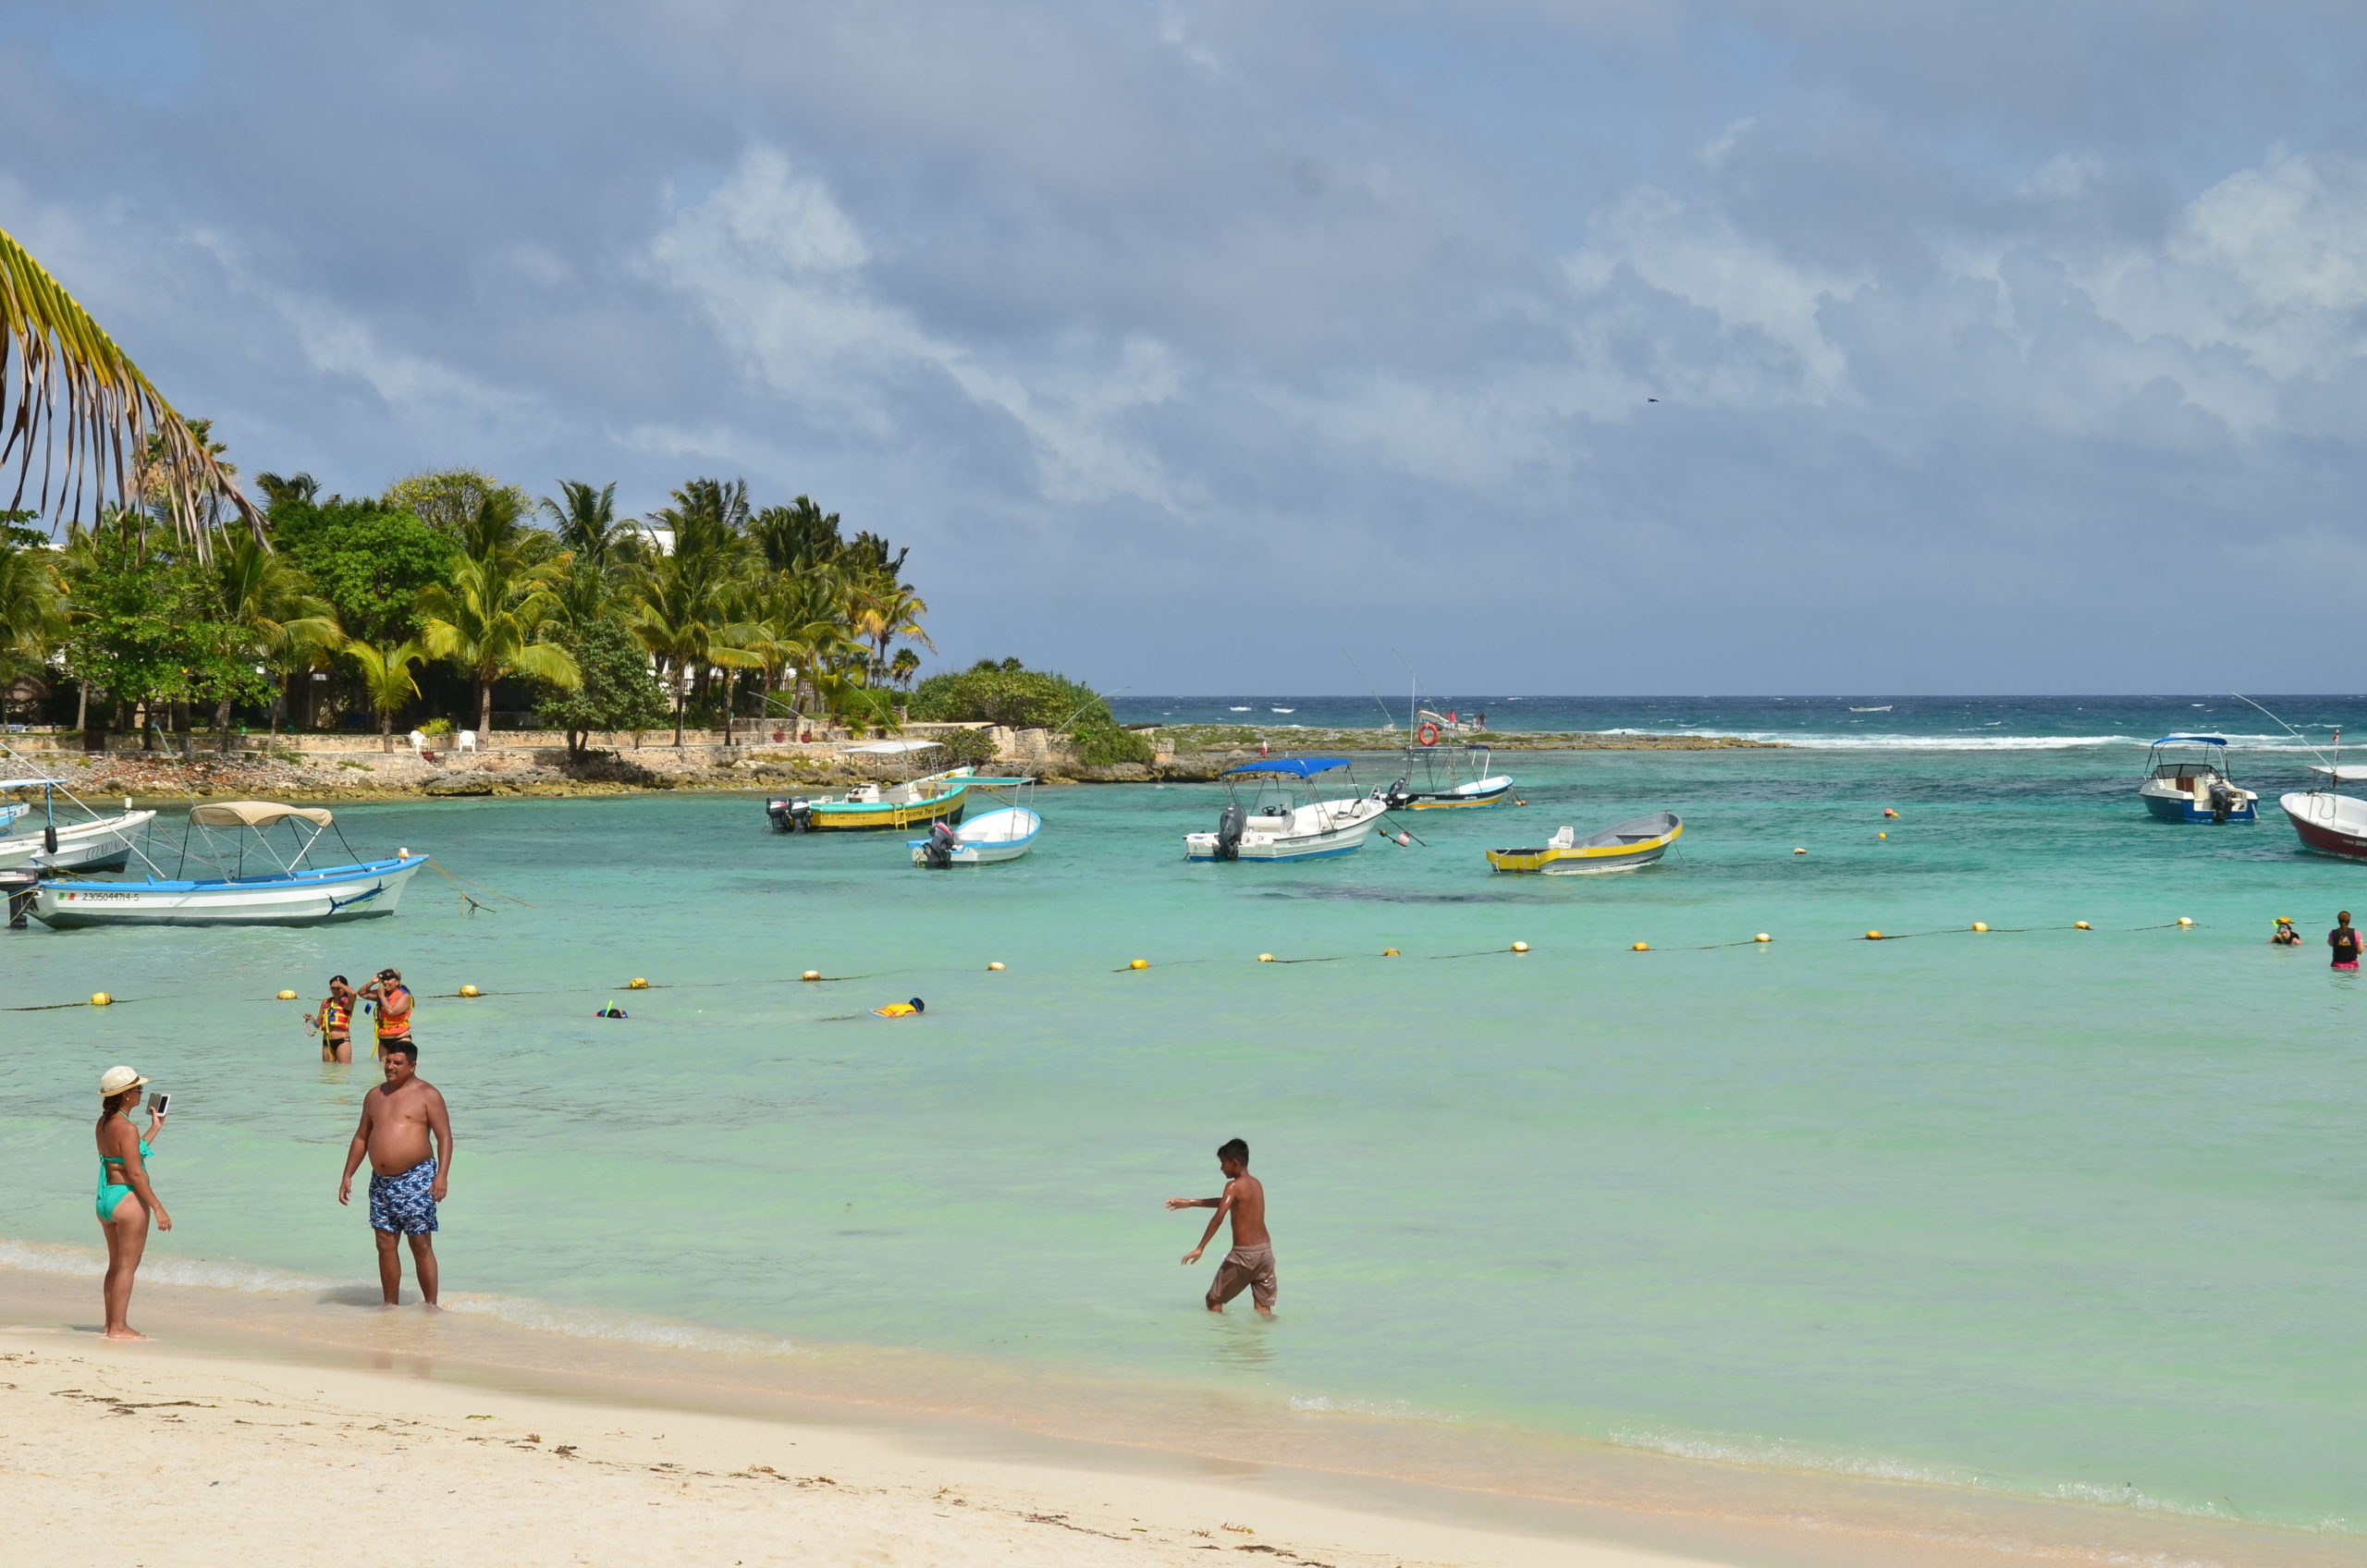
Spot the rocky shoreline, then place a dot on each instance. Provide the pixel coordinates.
(163, 778)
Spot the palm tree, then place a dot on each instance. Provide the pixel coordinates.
(280, 621)
(587, 526)
(73, 404)
(683, 618)
(488, 622)
(903, 666)
(278, 488)
(386, 676)
(883, 609)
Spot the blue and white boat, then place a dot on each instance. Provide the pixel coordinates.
(2186, 780)
(1275, 825)
(63, 840)
(987, 837)
(291, 892)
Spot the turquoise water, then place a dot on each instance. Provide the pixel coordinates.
(2071, 1213)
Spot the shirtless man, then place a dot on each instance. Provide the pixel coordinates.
(407, 1178)
(1250, 1264)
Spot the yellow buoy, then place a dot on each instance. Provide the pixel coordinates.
(1763, 937)
(2184, 921)
(1799, 852)
(636, 984)
(1264, 957)
(1138, 963)
(287, 996)
(994, 966)
(100, 998)
(810, 974)
(1520, 946)
(470, 991)
(1388, 952)
(1981, 925)
(1641, 948)
(1873, 935)
(2081, 925)
(1881, 835)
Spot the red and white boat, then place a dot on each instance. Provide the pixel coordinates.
(2332, 824)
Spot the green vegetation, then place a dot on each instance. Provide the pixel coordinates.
(1009, 693)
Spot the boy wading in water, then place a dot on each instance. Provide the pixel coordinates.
(407, 1181)
(1250, 1265)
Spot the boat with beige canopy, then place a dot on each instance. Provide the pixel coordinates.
(259, 852)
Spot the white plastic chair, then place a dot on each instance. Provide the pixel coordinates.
(467, 739)
(419, 740)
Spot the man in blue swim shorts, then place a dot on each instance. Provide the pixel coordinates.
(406, 1133)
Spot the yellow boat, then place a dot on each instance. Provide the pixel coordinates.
(1633, 843)
(917, 803)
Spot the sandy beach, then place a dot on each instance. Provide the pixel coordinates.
(153, 1455)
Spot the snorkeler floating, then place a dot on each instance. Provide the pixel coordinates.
(901, 1009)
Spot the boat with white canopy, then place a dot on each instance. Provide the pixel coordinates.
(1433, 780)
(260, 850)
(63, 840)
(1276, 825)
(1005, 833)
(916, 803)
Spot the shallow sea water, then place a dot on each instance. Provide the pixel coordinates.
(2056, 1212)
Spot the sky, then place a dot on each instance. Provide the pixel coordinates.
(1622, 348)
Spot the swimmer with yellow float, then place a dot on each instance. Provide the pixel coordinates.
(901, 1009)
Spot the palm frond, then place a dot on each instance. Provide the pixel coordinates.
(75, 407)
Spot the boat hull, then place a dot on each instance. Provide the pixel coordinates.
(2333, 824)
(1348, 825)
(996, 837)
(834, 816)
(2181, 808)
(336, 893)
(1628, 846)
(104, 845)
(1484, 792)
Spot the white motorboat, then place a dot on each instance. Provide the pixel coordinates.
(1276, 825)
(2186, 780)
(1443, 786)
(1003, 833)
(91, 842)
(2328, 823)
(291, 893)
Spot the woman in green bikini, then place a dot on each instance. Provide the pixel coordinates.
(126, 1199)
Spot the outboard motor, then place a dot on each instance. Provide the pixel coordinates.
(1229, 828)
(779, 811)
(939, 851)
(19, 886)
(1396, 797)
(2223, 800)
(791, 816)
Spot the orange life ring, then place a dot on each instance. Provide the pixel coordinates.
(1427, 734)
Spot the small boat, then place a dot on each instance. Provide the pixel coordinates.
(1003, 833)
(2186, 780)
(291, 893)
(1884, 708)
(1236, 710)
(2328, 823)
(1275, 825)
(1639, 841)
(1443, 786)
(91, 842)
(916, 803)
(1284, 710)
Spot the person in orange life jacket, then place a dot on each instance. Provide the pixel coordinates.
(394, 999)
(333, 1021)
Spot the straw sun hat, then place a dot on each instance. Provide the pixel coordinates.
(116, 1080)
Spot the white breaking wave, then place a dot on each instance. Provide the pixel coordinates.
(1385, 1409)
(585, 1323)
(41, 1257)
(1788, 1456)
(249, 1278)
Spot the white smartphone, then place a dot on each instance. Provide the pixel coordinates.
(158, 1104)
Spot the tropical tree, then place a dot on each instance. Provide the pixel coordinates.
(73, 405)
(883, 609)
(618, 693)
(489, 622)
(449, 499)
(903, 666)
(273, 618)
(32, 609)
(278, 489)
(386, 678)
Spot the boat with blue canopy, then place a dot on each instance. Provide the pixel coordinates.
(1274, 823)
(230, 835)
(2186, 780)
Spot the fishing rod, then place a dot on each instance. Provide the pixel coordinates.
(2298, 735)
(1388, 721)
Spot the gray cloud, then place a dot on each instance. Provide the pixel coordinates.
(1188, 342)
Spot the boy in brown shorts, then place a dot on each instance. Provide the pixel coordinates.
(1250, 1265)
